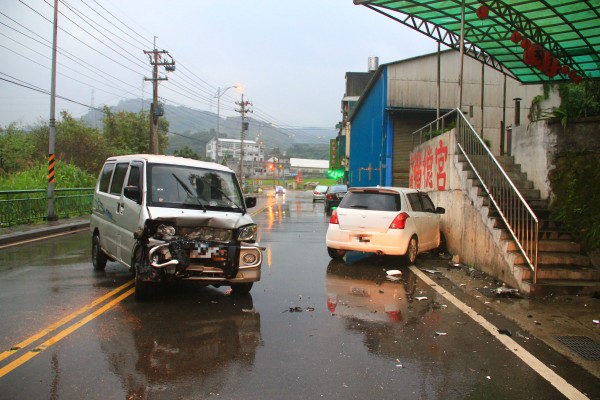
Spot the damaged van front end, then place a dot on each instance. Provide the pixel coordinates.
(180, 249)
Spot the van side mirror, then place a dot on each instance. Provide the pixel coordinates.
(133, 193)
(440, 210)
(250, 201)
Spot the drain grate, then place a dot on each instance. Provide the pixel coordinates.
(582, 345)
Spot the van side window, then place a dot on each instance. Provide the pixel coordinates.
(118, 178)
(135, 176)
(105, 177)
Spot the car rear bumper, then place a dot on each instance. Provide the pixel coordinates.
(392, 242)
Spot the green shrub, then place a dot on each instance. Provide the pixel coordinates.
(575, 184)
(36, 177)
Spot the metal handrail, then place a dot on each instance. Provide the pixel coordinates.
(519, 218)
(26, 206)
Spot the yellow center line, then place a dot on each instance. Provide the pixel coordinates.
(61, 335)
(63, 321)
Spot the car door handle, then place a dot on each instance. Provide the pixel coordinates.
(120, 208)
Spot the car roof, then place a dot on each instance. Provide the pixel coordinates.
(383, 189)
(171, 160)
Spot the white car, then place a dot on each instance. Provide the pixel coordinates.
(385, 221)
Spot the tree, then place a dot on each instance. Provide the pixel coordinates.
(16, 150)
(187, 152)
(130, 132)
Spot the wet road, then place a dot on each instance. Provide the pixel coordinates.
(311, 328)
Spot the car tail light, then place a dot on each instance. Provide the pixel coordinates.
(330, 197)
(334, 218)
(400, 221)
(316, 192)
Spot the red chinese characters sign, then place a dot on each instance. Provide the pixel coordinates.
(428, 166)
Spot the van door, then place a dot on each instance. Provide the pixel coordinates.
(132, 210)
(129, 210)
(114, 205)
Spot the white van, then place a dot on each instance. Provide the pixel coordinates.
(172, 218)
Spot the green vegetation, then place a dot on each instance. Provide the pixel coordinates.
(577, 101)
(80, 149)
(67, 176)
(574, 181)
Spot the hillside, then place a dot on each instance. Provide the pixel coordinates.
(194, 128)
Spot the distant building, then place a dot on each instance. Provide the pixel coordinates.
(219, 149)
(309, 167)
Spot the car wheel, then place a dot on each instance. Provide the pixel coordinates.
(412, 250)
(241, 288)
(336, 254)
(99, 257)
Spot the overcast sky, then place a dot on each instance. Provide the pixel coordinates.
(290, 56)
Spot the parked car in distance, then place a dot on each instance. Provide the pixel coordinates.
(333, 196)
(279, 190)
(386, 221)
(319, 193)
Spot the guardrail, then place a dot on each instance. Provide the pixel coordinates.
(26, 206)
(521, 221)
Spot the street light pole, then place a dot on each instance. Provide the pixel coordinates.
(218, 96)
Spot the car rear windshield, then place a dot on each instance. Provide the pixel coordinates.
(372, 201)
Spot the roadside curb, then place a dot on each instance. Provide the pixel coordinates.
(42, 231)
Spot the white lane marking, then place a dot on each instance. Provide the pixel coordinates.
(545, 372)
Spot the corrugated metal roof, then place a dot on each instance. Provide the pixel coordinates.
(566, 33)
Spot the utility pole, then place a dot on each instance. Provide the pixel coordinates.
(157, 58)
(52, 123)
(243, 110)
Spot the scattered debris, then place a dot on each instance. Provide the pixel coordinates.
(504, 331)
(430, 271)
(454, 264)
(596, 321)
(440, 333)
(398, 363)
(489, 377)
(393, 275)
(456, 259)
(537, 322)
(421, 298)
(503, 291)
(519, 334)
(310, 308)
(296, 309)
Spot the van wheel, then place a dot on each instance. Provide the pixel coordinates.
(241, 288)
(412, 250)
(336, 254)
(99, 257)
(144, 290)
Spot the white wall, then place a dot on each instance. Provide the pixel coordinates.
(413, 84)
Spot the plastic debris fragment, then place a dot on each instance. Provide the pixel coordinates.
(504, 331)
(440, 333)
(421, 298)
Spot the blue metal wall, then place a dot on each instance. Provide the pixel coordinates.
(368, 139)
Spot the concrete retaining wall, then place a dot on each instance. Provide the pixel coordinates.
(465, 223)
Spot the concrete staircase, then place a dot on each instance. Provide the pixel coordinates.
(562, 268)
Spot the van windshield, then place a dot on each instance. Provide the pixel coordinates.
(190, 187)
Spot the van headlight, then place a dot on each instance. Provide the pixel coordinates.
(247, 233)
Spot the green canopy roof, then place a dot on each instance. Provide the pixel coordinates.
(565, 34)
